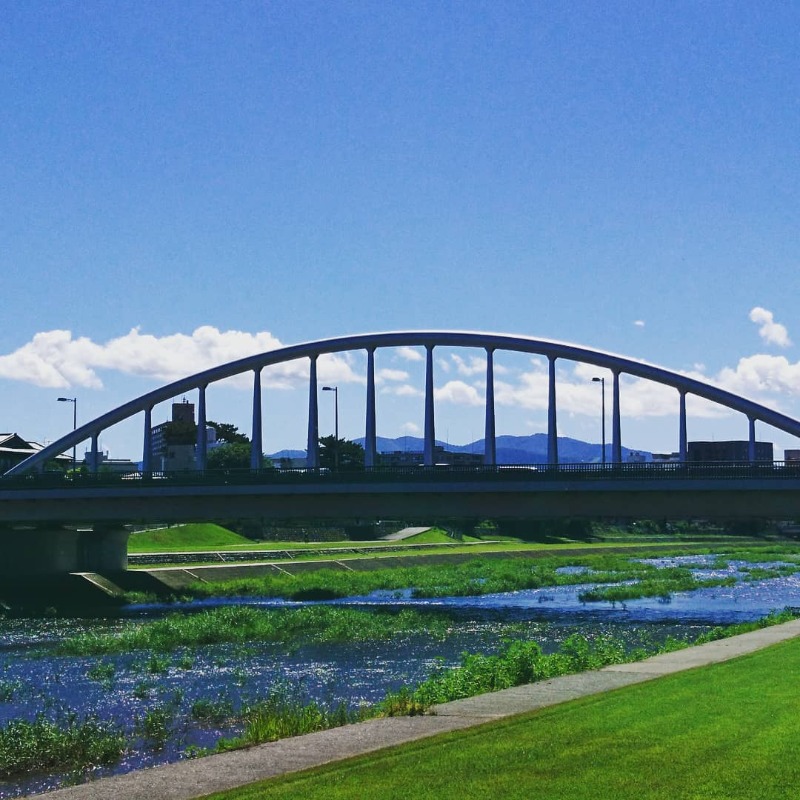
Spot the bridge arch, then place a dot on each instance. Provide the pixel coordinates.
(429, 339)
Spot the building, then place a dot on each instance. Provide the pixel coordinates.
(119, 466)
(792, 456)
(666, 458)
(415, 458)
(731, 452)
(179, 453)
(14, 449)
(182, 412)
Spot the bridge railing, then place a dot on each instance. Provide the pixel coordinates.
(441, 473)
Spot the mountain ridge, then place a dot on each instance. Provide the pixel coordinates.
(510, 449)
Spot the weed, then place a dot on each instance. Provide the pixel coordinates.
(157, 664)
(279, 716)
(142, 690)
(155, 726)
(103, 672)
(212, 711)
(27, 747)
(8, 689)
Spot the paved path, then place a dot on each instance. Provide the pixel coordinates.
(405, 533)
(185, 780)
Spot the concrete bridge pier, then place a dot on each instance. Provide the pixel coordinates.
(48, 550)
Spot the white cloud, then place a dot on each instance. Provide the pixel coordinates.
(770, 331)
(57, 360)
(762, 373)
(474, 366)
(54, 359)
(391, 375)
(404, 390)
(409, 354)
(410, 428)
(459, 393)
(577, 394)
(639, 323)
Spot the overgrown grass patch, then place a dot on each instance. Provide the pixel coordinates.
(474, 576)
(279, 716)
(71, 743)
(653, 587)
(242, 624)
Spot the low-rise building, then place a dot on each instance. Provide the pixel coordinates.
(14, 449)
(414, 458)
(732, 452)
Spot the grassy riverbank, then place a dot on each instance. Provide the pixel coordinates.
(472, 576)
(727, 731)
(185, 538)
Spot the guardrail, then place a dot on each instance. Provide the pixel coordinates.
(443, 473)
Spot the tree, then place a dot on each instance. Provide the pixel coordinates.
(180, 432)
(227, 433)
(235, 455)
(350, 455)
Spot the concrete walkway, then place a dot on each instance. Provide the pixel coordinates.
(405, 533)
(185, 780)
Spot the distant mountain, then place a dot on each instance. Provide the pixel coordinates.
(514, 449)
(288, 454)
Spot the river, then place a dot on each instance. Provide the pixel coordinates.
(125, 688)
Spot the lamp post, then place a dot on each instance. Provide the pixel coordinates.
(335, 390)
(602, 382)
(74, 401)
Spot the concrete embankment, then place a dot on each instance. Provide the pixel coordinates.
(186, 780)
(167, 580)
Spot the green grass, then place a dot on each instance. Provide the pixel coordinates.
(44, 745)
(184, 538)
(472, 576)
(726, 731)
(279, 716)
(435, 536)
(240, 624)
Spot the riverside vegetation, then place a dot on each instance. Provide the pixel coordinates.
(703, 733)
(479, 577)
(67, 742)
(72, 744)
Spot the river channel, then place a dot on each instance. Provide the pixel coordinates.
(124, 689)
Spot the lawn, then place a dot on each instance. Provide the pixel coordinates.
(184, 538)
(726, 731)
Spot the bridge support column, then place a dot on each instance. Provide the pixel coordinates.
(370, 454)
(682, 436)
(430, 428)
(312, 445)
(552, 423)
(147, 446)
(489, 440)
(49, 551)
(202, 449)
(616, 427)
(256, 443)
(751, 442)
(94, 459)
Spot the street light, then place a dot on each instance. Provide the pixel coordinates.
(335, 390)
(74, 401)
(602, 382)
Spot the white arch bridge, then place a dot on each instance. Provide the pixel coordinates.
(30, 496)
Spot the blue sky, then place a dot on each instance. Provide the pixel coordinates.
(224, 177)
